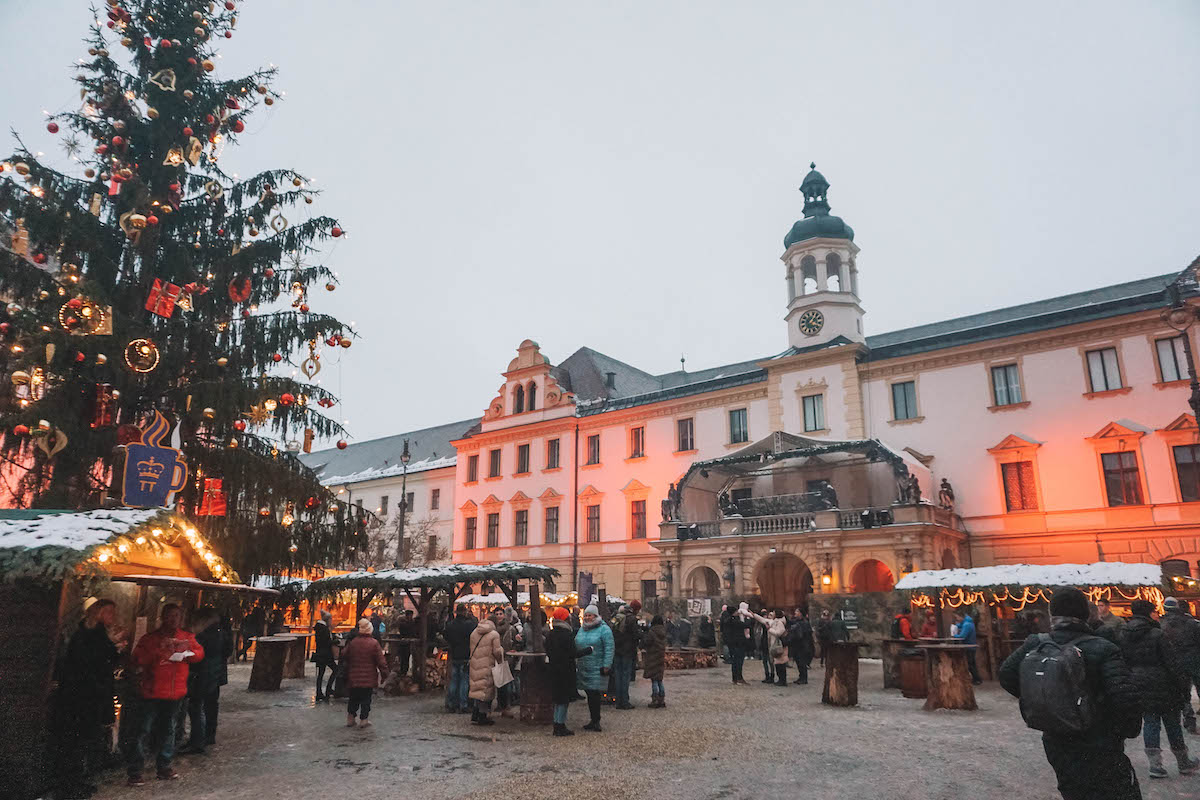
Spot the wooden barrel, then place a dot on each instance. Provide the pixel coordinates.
(912, 675)
(270, 653)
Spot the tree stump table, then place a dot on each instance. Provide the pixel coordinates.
(270, 653)
(912, 674)
(841, 674)
(537, 706)
(947, 678)
(891, 661)
(293, 662)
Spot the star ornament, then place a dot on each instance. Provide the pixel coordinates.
(72, 146)
(258, 415)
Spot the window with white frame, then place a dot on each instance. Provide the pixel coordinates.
(435, 499)
(685, 435)
(552, 454)
(814, 412)
(593, 523)
(593, 449)
(739, 431)
(522, 459)
(1172, 359)
(637, 510)
(1006, 385)
(494, 463)
(1104, 371)
(552, 525)
(521, 525)
(637, 441)
(1020, 489)
(472, 523)
(493, 530)
(1122, 482)
(904, 400)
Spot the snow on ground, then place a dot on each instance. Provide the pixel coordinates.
(714, 741)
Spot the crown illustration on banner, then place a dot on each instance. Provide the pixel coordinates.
(149, 469)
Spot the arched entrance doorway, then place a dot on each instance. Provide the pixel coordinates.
(871, 575)
(784, 581)
(704, 582)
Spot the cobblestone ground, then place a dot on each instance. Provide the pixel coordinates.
(713, 741)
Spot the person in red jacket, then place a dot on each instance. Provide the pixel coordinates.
(902, 627)
(365, 666)
(162, 658)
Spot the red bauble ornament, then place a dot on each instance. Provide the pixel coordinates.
(101, 149)
(287, 398)
(166, 43)
(210, 119)
(111, 24)
(39, 258)
(80, 357)
(304, 307)
(270, 273)
(277, 358)
(192, 62)
(239, 425)
(52, 127)
(20, 430)
(118, 141)
(336, 232)
(151, 220)
(238, 126)
(342, 444)
(4, 326)
(75, 303)
(187, 131)
(229, 5)
(228, 34)
(245, 313)
(146, 40)
(174, 187)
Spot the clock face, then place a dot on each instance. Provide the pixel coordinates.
(811, 322)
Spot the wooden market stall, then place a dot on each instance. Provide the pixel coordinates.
(421, 584)
(50, 562)
(1002, 593)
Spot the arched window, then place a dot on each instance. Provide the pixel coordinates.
(518, 399)
(532, 396)
(808, 275)
(833, 272)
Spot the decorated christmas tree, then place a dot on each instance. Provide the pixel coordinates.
(154, 301)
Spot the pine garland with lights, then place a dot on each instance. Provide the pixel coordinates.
(154, 281)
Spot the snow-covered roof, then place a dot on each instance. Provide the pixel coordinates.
(393, 471)
(186, 582)
(500, 599)
(442, 576)
(79, 530)
(1104, 573)
(276, 581)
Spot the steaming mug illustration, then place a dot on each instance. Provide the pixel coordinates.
(152, 472)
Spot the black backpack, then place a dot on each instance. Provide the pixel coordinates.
(1055, 695)
(896, 633)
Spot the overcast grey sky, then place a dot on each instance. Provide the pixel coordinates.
(621, 174)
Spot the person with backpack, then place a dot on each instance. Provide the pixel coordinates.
(1077, 690)
(902, 626)
(1160, 678)
(800, 645)
(1181, 632)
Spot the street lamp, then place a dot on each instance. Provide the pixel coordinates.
(1181, 317)
(404, 459)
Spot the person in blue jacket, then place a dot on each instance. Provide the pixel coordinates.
(591, 671)
(966, 634)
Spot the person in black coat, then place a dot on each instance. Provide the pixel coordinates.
(706, 633)
(252, 626)
(800, 644)
(457, 636)
(561, 654)
(1091, 765)
(323, 654)
(205, 678)
(1160, 679)
(85, 699)
(733, 634)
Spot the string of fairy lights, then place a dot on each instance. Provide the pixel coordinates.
(958, 596)
(153, 537)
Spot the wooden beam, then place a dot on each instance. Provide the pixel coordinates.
(422, 635)
(535, 611)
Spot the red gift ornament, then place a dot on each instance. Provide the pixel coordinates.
(212, 501)
(104, 405)
(163, 297)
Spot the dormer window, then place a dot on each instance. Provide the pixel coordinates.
(532, 396)
(519, 399)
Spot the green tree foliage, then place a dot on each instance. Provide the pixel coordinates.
(152, 203)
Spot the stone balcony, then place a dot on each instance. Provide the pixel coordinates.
(835, 519)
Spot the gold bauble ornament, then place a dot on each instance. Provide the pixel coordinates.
(308, 199)
(89, 173)
(126, 41)
(119, 125)
(102, 359)
(21, 167)
(261, 89)
(152, 113)
(329, 287)
(208, 65)
(296, 181)
(345, 342)
(197, 15)
(198, 31)
(102, 52)
(209, 413)
(269, 101)
(222, 361)
(254, 231)
(188, 94)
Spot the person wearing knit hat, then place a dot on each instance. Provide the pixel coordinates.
(1089, 763)
(562, 652)
(1157, 675)
(627, 637)
(1181, 634)
(593, 669)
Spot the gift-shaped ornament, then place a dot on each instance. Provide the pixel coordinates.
(163, 297)
(212, 500)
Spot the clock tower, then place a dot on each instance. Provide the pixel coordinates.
(822, 272)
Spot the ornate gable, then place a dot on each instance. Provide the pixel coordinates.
(549, 495)
(1117, 430)
(528, 385)
(492, 500)
(468, 507)
(1184, 422)
(520, 500)
(1015, 441)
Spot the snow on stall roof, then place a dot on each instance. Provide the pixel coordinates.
(500, 599)
(1103, 573)
(391, 471)
(275, 581)
(73, 530)
(435, 576)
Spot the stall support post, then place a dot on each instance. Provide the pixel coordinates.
(602, 603)
(993, 639)
(941, 623)
(422, 637)
(535, 607)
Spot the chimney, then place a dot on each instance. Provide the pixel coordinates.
(610, 380)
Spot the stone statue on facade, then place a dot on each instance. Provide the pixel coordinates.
(910, 490)
(670, 505)
(729, 508)
(829, 498)
(946, 495)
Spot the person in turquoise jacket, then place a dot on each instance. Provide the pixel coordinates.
(966, 634)
(592, 670)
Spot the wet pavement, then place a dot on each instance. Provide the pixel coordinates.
(713, 741)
